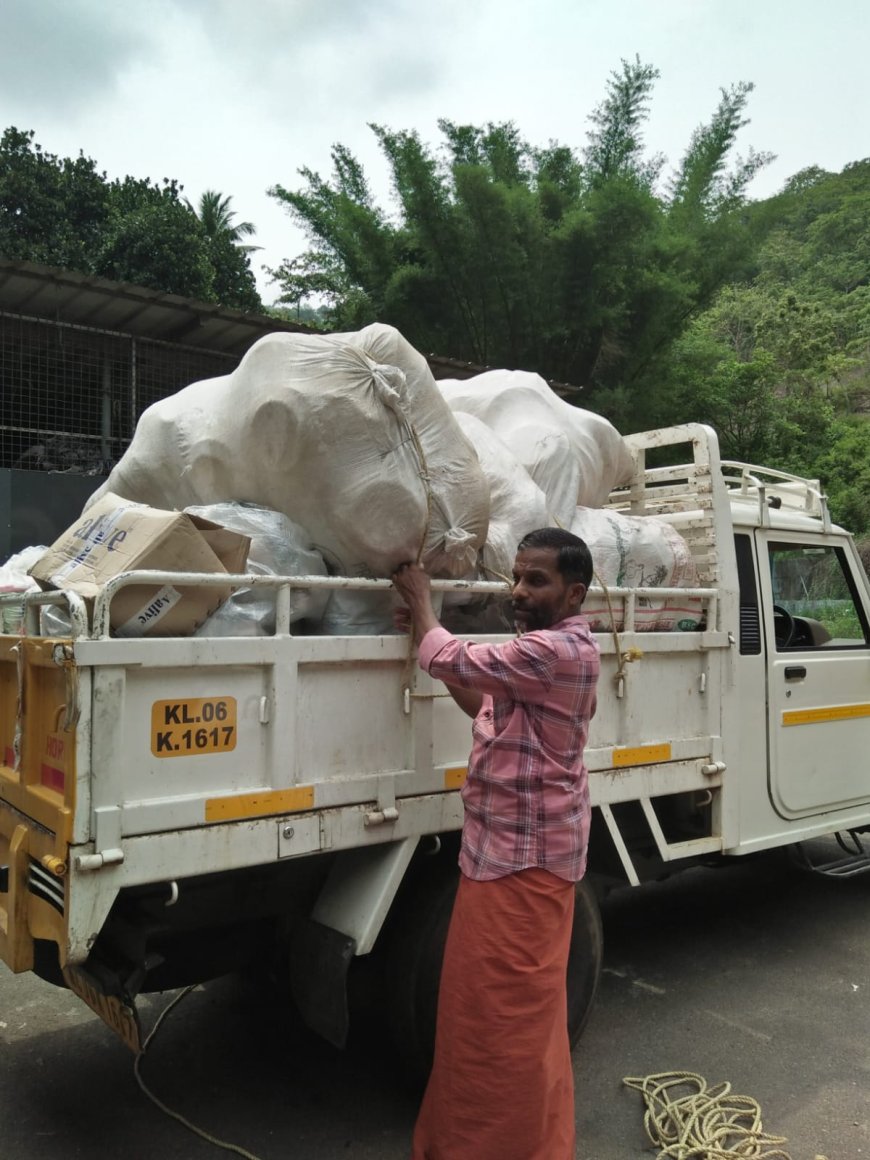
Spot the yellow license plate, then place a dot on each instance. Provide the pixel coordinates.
(121, 1016)
(197, 725)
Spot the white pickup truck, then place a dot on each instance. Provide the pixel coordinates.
(172, 808)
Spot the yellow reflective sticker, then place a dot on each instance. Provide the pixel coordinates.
(641, 755)
(828, 713)
(454, 778)
(259, 805)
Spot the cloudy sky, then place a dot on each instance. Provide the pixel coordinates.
(236, 95)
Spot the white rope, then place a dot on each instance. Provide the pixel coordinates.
(622, 658)
(167, 1110)
(687, 1119)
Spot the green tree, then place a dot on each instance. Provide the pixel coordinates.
(153, 239)
(228, 252)
(52, 210)
(216, 219)
(843, 466)
(570, 264)
(781, 360)
(63, 212)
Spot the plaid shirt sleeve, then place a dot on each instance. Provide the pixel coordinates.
(522, 669)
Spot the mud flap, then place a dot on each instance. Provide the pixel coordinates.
(320, 958)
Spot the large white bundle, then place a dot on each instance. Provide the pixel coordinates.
(638, 552)
(308, 425)
(516, 503)
(574, 456)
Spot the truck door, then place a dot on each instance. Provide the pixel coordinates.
(818, 648)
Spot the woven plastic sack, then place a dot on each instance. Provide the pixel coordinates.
(14, 582)
(516, 503)
(638, 552)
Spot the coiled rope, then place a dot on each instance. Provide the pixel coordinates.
(687, 1119)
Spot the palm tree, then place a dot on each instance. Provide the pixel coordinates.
(216, 219)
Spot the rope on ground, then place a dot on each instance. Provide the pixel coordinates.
(687, 1119)
(163, 1107)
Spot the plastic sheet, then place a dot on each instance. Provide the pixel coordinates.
(14, 579)
(278, 548)
(574, 456)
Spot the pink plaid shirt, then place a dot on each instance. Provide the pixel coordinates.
(527, 795)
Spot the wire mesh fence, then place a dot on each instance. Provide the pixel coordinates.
(70, 396)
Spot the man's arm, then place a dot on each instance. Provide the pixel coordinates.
(468, 700)
(522, 669)
(412, 584)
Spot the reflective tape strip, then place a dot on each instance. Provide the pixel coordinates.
(258, 805)
(828, 713)
(641, 755)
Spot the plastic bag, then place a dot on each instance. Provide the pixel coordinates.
(14, 580)
(278, 548)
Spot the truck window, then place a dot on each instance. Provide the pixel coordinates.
(815, 603)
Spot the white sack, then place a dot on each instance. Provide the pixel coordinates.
(516, 503)
(638, 552)
(310, 426)
(278, 548)
(574, 456)
(447, 457)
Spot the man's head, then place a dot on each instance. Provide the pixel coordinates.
(552, 572)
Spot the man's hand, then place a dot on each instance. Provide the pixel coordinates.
(412, 584)
(414, 587)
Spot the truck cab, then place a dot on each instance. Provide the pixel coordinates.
(804, 660)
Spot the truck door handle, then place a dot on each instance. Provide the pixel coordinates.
(795, 672)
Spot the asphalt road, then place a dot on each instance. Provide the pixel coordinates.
(758, 975)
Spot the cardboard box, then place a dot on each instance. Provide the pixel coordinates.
(116, 535)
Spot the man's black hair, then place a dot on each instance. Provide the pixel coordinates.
(573, 558)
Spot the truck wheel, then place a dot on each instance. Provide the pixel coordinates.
(584, 960)
(414, 970)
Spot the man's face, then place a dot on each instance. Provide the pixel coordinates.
(540, 594)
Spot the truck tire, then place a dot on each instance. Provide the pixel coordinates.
(413, 970)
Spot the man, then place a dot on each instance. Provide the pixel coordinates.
(502, 1086)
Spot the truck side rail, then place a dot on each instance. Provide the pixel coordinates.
(768, 487)
(688, 495)
(32, 602)
(626, 599)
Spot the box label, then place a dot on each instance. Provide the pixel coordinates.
(152, 613)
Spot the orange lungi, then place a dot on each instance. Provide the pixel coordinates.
(502, 1087)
